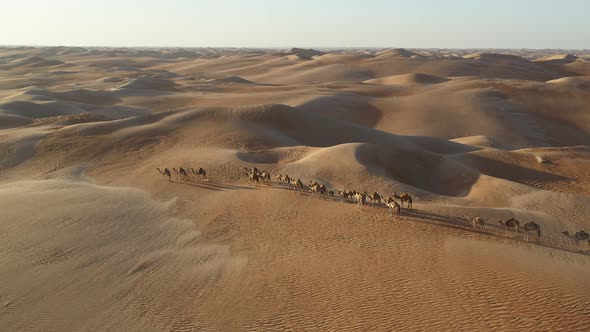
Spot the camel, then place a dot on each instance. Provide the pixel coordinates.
(375, 198)
(531, 227)
(393, 207)
(202, 172)
(253, 178)
(580, 236)
(180, 173)
(360, 198)
(265, 176)
(286, 179)
(477, 222)
(510, 224)
(165, 173)
(345, 195)
(252, 170)
(317, 188)
(314, 188)
(279, 177)
(297, 185)
(404, 197)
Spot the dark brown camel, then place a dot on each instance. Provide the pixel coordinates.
(404, 197)
(253, 178)
(165, 173)
(510, 224)
(580, 236)
(531, 227)
(201, 172)
(477, 222)
(375, 198)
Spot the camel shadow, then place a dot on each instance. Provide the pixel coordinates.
(456, 223)
(212, 185)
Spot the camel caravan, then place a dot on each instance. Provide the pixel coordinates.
(256, 177)
(509, 225)
(182, 174)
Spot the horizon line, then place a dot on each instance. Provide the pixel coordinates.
(301, 47)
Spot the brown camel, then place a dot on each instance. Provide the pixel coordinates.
(297, 184)
(392, 206)
(360, 198)
(404, 197)
(317, 188)
(580, 236)
(531, 227)
(253, 178)
(165, 173)
(201, 172)
(477, 222)
(510, 224)
(182, 173)
(314, 188)
(345, 195)
(375, 198)
(265, 176)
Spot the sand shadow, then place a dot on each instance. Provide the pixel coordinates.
(213, 185)
(456, 223)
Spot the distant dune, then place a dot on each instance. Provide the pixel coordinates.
(398, 52)
(305, 54)
(558, 59)
(34, 62)
(150, 83)
(493, 56)
(580, 82)
(414, 78)
(230, 80)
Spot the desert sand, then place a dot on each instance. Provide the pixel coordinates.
(93, 237)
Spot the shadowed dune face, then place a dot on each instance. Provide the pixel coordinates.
(94, 237)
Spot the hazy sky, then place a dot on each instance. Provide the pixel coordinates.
(303, 23)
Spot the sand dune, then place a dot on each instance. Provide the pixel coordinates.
(33, 62)
(303, 53)
(149, 83)
(92, 236)
(398, 52)
(416, 78)
(581, 82)
(558, 59)
(231, 80)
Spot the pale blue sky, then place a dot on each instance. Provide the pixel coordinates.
(303, 23)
